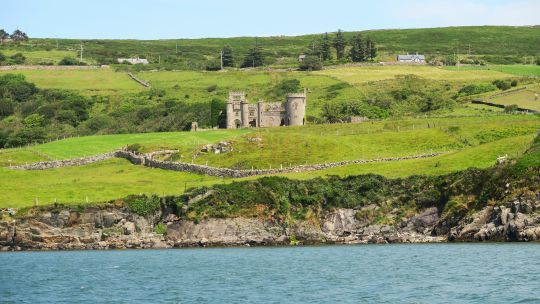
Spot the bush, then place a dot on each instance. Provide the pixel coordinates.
(18, 58)
(514, 83)
(2, 57)
(473, 89)
(213, 65)
(160, 228)
(310, 63)
(143, 205)
(68, 61)
(134, 148)
(502, 84)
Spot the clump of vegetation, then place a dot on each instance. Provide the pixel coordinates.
(511, 108)
(143, 205)
(160, 228)
(502, 84)
(70, 61)
(473, 89)
(310, 63)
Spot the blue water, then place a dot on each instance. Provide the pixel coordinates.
(436, 273)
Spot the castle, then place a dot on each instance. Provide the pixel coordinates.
(241, 114)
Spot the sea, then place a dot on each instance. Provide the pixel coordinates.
(401, 273)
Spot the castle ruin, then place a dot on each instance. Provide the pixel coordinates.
(241, 114)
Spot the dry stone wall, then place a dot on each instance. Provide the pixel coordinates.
(146, 160)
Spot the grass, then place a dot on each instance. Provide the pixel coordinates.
(88, 82)
(97, 144)
(523, 98)
(516, 69)
(42, 57)
(377, 139)
(116, 178)
(361, 75)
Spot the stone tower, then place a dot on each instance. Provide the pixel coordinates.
(296, 108)
(235, 115)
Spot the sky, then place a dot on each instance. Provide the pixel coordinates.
(162, 19)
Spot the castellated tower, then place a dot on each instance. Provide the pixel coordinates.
(235, 114)
(296, 108)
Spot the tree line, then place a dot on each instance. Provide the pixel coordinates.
(357, 49)
(16, 36)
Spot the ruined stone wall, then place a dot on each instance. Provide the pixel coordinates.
(65, 163)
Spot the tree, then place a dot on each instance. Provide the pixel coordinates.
(254, 57)
(310, 63)
(228, 59)
(371, 49)
(358, 50)
(3, 35)
(19, 35)
(537, 60)
(326, 53)
(339, 44)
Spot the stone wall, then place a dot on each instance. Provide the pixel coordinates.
(65, 163)
(148, 161)
(48, 67)
(141, 159)
(140, 81)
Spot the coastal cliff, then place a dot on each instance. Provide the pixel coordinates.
(114, 227)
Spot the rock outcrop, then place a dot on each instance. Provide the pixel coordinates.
(115, 227)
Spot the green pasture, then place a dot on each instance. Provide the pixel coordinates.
(42, 57)
(524, 98)
(516, 69)
(88, 82)
(117, 178)
(363, 74)
(91, 145)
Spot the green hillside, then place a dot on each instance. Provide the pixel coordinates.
(496, 44)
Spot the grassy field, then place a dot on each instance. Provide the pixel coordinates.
(88, 82)
(360, 75)
(516, 69)
(42, 57)
(523, 98)
(117, 178)
(92, 145)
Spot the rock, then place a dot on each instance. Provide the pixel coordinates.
(129, 228)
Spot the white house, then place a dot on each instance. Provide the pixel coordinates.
(411, 58)
(133, 60)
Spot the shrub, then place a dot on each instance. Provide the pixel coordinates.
(134, 148)
(502, 84)
(160, 228)
(68, 61)
(473, 89)
(310, 63)
(213, 65)
(2, 57)
(143, 205)
(514, 83)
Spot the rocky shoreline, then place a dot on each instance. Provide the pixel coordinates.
(115, 227)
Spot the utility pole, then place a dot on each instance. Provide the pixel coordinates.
(81, 51)
(221, 53)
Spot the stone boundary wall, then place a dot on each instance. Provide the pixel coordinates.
(65, 163)
(48, 67)
(477, 101)
(146, 160)
(140, 159)
(140, 81)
